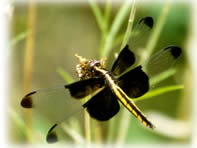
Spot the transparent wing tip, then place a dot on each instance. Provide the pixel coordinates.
(174, 50)
(147, 20)
(52, 136)
(27, 100)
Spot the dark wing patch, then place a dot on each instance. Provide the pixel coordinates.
(134, 83)
(161, 61)
(45, 98)
(83, 88)
(51, 135)
(147, 20)
(140, 34)
(103, 105)
(125, 59)
(27, 100)
(175, 51)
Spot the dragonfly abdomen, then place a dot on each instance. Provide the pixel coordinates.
(126, 101)
(123, 98)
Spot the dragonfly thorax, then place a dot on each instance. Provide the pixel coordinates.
(85, 69)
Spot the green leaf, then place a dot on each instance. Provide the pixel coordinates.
(160, 91)
(18, 38)
(162, 76)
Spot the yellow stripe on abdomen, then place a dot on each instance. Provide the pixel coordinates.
(125, 100)
(133, 108)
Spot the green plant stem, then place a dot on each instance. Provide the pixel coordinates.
(129, 26)
(87, 129)
(77, 138)
(118, 40)
(19, 123)
(16, 117)
(123, 128)
(98, 15)
(102, 20)
(110, 130)
(108, 8)
(28, 65)
(118, 21)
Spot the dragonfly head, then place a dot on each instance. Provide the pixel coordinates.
(85, 68)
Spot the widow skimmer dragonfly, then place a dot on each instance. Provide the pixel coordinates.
(109, 87)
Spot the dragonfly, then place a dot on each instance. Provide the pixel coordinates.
(109, 88)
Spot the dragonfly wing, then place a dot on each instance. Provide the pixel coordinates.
(140, 34)
(125, 59)
(83, 88)
(53, 106)
(134, 83)
(137, 41)
(103, 105)
(161, 61)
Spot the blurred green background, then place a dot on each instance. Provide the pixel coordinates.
(63, 29)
